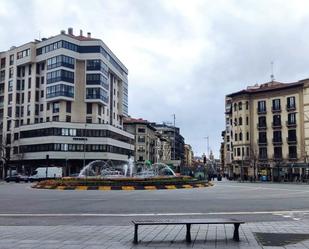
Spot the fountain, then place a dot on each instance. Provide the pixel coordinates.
(107, 175)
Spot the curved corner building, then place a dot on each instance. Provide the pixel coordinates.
(62, 103)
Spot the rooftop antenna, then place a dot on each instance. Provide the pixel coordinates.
(272, 77)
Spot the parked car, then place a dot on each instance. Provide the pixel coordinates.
(17, 178)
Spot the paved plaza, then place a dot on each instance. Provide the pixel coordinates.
(117, 237)
(31, 218)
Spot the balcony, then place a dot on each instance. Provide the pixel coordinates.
(276, 125)
(276, 109)
(277, 141)
(291, 124)
(261, 126)
(261, 111)
(262, 141)
(290, 108)
(291, 140)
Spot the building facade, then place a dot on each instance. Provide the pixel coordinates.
(267, 131)
(177, 142)
(63, 98)
(188, 153)
(145, 139)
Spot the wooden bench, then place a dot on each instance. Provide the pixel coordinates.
(188, 223)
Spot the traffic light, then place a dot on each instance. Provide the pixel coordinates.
(204, 159)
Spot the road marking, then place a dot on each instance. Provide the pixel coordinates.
(261, 188)
(287, 213)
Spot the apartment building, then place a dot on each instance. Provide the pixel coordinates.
(145, 139)
(188, 154)
(267, 131)
(63, 98)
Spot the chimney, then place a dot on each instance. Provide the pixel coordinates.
(80, 32)
(62, 32)
(89, 35)
(70, 31)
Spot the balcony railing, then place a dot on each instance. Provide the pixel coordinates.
(261, 126)
(277, 141)
(276, 125)
(261, 111)
(290, 124)
(262, 141)
(290, 108)
(276, 109)
(291, 140)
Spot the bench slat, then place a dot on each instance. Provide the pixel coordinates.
(186, 221)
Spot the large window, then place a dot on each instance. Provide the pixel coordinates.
(277, 153)
(277, 138)
(263, 153)
(23, 53)
(262, 106)
(277, 120)
(60, 75)
(262, 122)
(97, 93)
(262, 137)
(276, 105)
(97, 79)
(292, 152)
(291, 118)
(291, 103)
(60, 90)
(97, 65)
(60, 60)
(292, 136)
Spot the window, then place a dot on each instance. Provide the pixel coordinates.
(67, 118)
(48, 107)
(99, 109)
(291, 118)
(60, 75)
(89, 108)
(235, 137)
(60, 90)
(240, 121)
(37, 96)
(60, 61)
(11, 72)
(11, 59)
(292, 136)
(235, 107)
(10, 99)
(42, 80)
(292, 152)
(262, 122)
(97, 79)
(291, 103)
(88, 120)
(277, 120)
(262, 106)
(29, 69)
(247, 120)
(262, 153)
(68, 106)
(23, 54)
(10, 85)
(277, 153)
(42, 94)
(277, 138)
(247, 105)
(97, 93)
(56, 118)
(262, 137)
(276, 105)
(29, 96)
(247, 136)
(29, 83)
(141, 130)
(56, 107)
(41, 107)
(240, 136)
(238, 151)
(240, 106)
(97, 65)
(235, 121)
(28, 110)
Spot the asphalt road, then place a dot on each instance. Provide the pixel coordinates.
(22, 205)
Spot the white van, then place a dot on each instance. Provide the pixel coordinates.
(43, 173)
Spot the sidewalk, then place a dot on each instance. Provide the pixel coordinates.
(119, 237)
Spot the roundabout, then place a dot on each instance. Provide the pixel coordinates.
(101, 175)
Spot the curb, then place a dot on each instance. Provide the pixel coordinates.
(126, 188)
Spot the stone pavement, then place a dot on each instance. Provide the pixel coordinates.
(118, 237)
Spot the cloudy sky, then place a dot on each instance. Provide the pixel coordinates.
(183, 56)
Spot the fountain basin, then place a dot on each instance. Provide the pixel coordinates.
(122, 183)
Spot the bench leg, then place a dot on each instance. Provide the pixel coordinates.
(188, 235)
(236, 232)
(135, 234)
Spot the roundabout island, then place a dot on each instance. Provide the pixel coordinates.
(103, 175)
